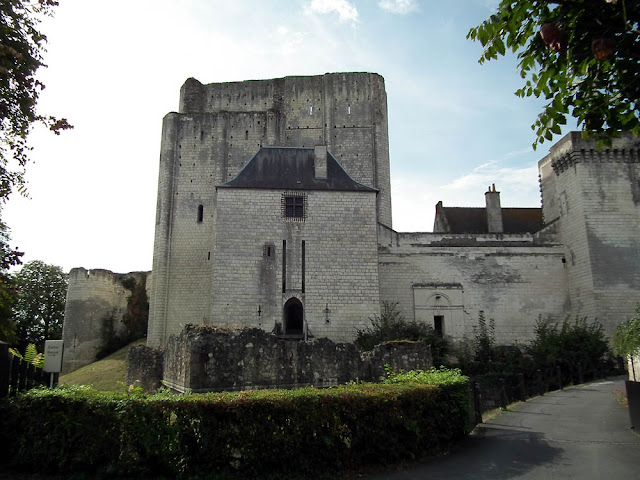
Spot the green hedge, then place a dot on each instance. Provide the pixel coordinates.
(230, 435)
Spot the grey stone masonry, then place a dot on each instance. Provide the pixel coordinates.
(494, 211)
(144, 368)
(449, 278)
(328, 261)
(205, 359)
(96, 303)
(218, 129)
(594, 196)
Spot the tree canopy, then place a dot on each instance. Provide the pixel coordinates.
(582, 56)
(8, 258)
(21, 49)
(39, 308)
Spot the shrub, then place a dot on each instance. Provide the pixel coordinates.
(570, 346)
(626, 338)
(231, 435)
(391, 325)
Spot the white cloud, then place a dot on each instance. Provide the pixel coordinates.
(401, 7)
(488, 174)
(288, 40)
(347, 12)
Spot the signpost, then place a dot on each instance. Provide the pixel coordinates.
(53, 358)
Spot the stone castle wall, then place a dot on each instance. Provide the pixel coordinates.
(513, 279)
(96, 303)
(594, 196)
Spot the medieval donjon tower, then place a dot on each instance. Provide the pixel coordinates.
(289, 240)
(274, 212)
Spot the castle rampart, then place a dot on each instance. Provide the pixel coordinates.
(97, 300)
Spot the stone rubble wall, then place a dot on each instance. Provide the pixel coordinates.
(205, 359)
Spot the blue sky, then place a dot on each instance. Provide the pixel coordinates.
(115, 69)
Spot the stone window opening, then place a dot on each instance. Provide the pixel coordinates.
(269, 251)
(438, 325)
(200, 213)
(293, 318)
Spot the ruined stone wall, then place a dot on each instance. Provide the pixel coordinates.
(339, 264)
(514, 279)
(96, 303)
(217, 131)
(598, 207)
(204, 359)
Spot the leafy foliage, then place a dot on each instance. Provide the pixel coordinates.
(580, 55)
(8, 257)
(569, 345)
(283, 433)
(391, 325)
(134, 320)
(433, 376)
(626, 338)
(579, 349)
(21, 48)
(481, 355)
(31, 355)
(39, 308)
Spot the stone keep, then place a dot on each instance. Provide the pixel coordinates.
(207, 265)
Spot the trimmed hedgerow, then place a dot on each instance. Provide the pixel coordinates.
(251, 434)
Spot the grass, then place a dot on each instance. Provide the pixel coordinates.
(106, 375)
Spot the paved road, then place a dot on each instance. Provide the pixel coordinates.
(580, 432)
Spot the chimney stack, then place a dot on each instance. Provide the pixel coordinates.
(494, 210)
(320, 161)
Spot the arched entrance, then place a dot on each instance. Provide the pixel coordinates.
(293, 320)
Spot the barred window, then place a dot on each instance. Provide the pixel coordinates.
(294, 207)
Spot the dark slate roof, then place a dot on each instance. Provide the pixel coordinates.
(293, 169)
(474, 220)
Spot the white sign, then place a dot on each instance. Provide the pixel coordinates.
(53, 356)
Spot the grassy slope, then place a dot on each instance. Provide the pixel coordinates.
(104, 374)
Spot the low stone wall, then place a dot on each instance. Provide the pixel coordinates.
(144, 367)
(398, 355)
(206, 359)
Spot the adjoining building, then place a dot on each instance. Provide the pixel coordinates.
(274, 211)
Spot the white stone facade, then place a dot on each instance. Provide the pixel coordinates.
(338, 285)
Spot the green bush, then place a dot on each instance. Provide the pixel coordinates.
(626, 338)
(250, 434)
(391, 325)
(571, 346)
